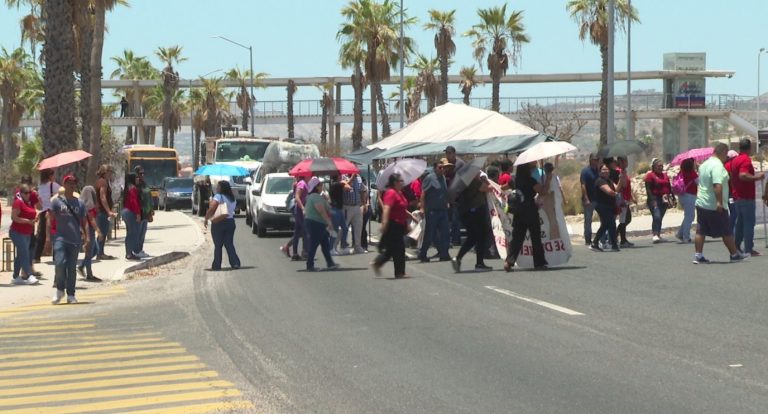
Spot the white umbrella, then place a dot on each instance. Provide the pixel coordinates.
(408, 168)
(544, 150)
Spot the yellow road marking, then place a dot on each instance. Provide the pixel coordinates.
(117, 392)
(101, 357)
(57, 339)
(87, 350)
(128, 403)
(16, 382)
(69, 387)
(77, 345)
(80, 366)
(198, 408)
(47, 327)
(38, 321)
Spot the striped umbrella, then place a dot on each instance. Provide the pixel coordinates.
(323, 166)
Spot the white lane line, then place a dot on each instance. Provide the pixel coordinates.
(548, 305)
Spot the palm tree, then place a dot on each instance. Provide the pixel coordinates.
(351, 55)
(291, 89)
(169, 55)
(32, 27)
(409, 87)
(427, 82)
(372, 28)
(443, 23)
(20, 87)
(504, 36)
(468, 81)
(99, 9)
(213, 104)
(58, 122)
(196, 106)
(243, 77)
(592, 18)
(132, 67)
(83, 30)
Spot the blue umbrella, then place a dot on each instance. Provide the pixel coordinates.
(222, 170)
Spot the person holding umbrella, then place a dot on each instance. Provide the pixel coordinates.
(526, 219)
(689, 180)
(318, 221)
(69, 213)
(223, 232)
(474, 215)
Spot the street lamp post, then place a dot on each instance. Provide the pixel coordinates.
(402, 63)
(610, 116)
(757, 127)
(250, 53)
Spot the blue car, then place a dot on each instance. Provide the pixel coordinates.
(175, 192)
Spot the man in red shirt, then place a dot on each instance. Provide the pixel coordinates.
(742, 183)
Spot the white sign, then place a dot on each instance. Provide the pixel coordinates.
(554, 233)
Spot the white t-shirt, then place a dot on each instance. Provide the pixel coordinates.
(46, 191)
(221, 198)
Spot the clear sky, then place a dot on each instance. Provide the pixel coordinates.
(298, 38)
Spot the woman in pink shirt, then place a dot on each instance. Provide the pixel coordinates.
(688, 199)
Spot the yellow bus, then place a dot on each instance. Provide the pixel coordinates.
(158, 163)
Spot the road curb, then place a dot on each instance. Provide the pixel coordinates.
(154, 262)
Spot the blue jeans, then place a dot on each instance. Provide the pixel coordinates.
(688, 202)
(65, 260)
(142, 234)
(298, 232)
(658, 215)
(131, 232)
(318, 236)
(607, 214)
(589, 211)
(223, 234)
(436, 221)
(745, 224)
(23, 259)
(340, 225)
(102, 222)
(91, 251)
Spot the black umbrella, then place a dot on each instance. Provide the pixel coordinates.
(465, 175)
(622, 148)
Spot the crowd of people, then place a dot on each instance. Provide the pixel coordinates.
(715, 194)
(64, 220)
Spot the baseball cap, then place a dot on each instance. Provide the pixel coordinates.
(450, 148)
(732, 154)
(69, 177)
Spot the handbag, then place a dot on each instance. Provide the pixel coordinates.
(221, 213)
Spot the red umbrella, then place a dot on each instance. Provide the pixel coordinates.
(698, 154)
(64, 158)
(323, 166)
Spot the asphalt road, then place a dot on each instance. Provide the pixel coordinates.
(649, 332)
(640, 331)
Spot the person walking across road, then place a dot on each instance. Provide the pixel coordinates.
(223, 232)
(105, 205)
(394, 227)
(605, 205)
(689, 180)
(318, 221)
(742, 182)
(47, 189)
(131, 215)
(434, 209)
(711, 213)
(23, 218)
(526, 220)
(336, 196)
(660, 197)
(474, 215)
(69, 214)
(624, 187)
(299, 233)
(456, 164)
(587, 179)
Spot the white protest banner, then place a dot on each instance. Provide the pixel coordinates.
(554, 236)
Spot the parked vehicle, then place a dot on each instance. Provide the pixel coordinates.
(175, 192)
(157, 162)
(269, 204)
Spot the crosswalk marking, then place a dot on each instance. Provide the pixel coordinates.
(128, 403)
(87, 350)
(51, 347)
(198, 409)
(73, 337)
(83, 366)
(57, 327)
(82, 295)
(97, 357)
(69, 387)
(44, 379)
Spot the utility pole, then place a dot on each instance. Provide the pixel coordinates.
(630, 129)
(402, 63)
(611, 134)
